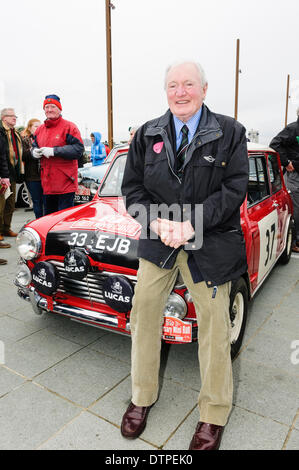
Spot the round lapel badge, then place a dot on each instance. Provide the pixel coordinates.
(118, 293)
(76, 264)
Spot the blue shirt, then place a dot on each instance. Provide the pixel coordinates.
(192, 125)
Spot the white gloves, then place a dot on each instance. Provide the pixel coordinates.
(36, 153)
(44, 151)
(47, 151)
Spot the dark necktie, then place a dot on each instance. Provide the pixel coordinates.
(181, 152)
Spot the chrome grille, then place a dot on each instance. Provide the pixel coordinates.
(90, 288)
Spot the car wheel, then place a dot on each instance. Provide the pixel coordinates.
(286, 255)
(238, 314)
(23, 197)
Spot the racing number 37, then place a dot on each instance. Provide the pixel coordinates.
(270, 236)
(268, 226)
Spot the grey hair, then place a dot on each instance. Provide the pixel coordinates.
(201, 72)
(4, 111)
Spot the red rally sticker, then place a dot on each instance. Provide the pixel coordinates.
(175, 329)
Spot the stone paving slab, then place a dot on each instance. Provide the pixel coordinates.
(64, 385)
(83, 377)
(244, 431)
(29, 415)
(267, 391)
(88, 432)
(37, 352)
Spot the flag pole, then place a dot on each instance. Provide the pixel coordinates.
(109, 73)
(287, 100)
(237, 78)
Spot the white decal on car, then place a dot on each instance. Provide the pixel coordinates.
(268, 228)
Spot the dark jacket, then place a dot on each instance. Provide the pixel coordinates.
(215, 174)
(11, 172)
(286, 143)
(32, 165)
(4, 154)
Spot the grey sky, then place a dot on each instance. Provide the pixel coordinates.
(59, 47)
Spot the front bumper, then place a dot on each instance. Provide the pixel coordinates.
(40, 305)
(173, 329)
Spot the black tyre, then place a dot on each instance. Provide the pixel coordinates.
(23, 199)
(286, 255)
(238, 314)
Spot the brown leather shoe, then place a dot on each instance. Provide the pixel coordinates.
(10, 233)
(3, 261)
(295, 248)
(134, 420)
(206, 437)
(4, 245)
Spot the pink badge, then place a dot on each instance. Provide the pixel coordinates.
(158, 147)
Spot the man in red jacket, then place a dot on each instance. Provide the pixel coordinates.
(58, 145)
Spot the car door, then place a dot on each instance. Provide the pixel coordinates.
(262, 218)
(278, 199)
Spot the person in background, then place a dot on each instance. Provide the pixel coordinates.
(286, 143)
(12, 151)
(98, 150)
(107, 148)
(4, 184)
(32, 169)
(59, 146)
(132, 131)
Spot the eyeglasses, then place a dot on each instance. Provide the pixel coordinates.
(11, 115)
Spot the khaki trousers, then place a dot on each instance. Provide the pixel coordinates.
(7, 207)
(153, 287)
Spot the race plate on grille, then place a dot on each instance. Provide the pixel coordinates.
(175, 329)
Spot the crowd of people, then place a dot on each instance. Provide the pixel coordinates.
(45, 156)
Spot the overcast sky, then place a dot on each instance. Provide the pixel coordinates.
(60, 47)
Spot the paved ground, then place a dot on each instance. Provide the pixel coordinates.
(65, 386)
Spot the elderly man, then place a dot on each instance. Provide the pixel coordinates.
(11, 150)
(286, 143)
(189, 157)
(4, 183)
(59, 145)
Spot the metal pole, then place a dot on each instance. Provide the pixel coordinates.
(109, 73)
(287, 101)
(237, 79)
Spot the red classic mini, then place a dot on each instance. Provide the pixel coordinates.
(82, 262)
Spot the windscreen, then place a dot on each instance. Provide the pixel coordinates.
(112, 184)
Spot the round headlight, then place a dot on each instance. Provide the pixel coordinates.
(93, 188)
(23, 276)
(175, 307)
(28, 243)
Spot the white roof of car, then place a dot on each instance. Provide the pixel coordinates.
(258, 147)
